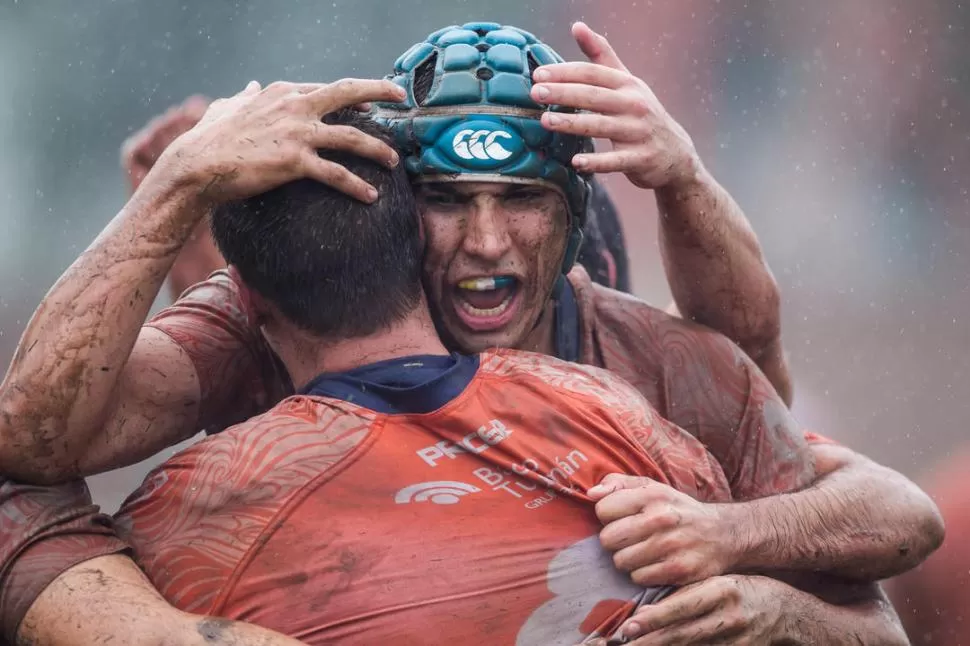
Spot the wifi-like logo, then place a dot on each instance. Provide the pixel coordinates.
(441, 492)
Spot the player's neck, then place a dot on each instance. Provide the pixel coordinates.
(306, 357)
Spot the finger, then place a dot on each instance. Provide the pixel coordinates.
(709, 629)
(363, 107)
(619, 504)
(582, 72)
(307, 88)
(626, 502)
(349, 92)
(630, 530)
(677, 570)
(338, 177)
(278, 89)
(614, 161)
(658, 561)
(685, 604)
(620, 128)
(596, 47)
(351, 140)
(614, 482)
(590, 97)
(251, 88)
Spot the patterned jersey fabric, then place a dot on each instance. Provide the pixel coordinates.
(464, 521)
(692, 376)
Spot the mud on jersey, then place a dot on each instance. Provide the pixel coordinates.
(692, 376)
(336, 524)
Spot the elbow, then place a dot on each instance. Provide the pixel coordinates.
(27, 454)
(925, 529)
(931, 528)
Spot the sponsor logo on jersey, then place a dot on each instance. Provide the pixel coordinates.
(440, 492)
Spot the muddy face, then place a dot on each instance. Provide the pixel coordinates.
(493, 254)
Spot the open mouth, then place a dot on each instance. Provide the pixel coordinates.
(486, 302)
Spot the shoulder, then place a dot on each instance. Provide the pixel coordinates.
(196, 517)
(641, 341)
(283, 449)
(565, 379)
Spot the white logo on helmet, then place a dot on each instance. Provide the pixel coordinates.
(468, 144)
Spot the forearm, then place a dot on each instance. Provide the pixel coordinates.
(716, 270)
(57, 391)
(109, 600)
(859, 521)
(862, 616)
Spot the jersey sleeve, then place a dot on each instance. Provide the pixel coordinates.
(239, 375)
(719, 395)
(45, 531)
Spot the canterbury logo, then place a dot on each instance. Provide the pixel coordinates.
(443, 492)
(481, 144)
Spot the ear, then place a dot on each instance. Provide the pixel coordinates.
(253, 305)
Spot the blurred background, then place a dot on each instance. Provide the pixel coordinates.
(842, 128)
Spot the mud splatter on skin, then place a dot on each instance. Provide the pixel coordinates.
(213, 629)
(717, 273)
(527, 229)
(72, 354)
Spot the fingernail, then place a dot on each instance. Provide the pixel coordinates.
(394, 160)
(595, 490)
(542, 91)
(632, 629)
(372, 194)
(554, 119)
(540, 75)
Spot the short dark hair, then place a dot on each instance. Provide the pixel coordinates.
(333, 266)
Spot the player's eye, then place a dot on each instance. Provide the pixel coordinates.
(441, 199)
(525, 195)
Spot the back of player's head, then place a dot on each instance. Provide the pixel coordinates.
(333, 266)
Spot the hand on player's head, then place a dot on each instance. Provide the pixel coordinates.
(320, 260)
(649, 146)
(262, 138)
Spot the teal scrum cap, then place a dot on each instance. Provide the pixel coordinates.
(468, 116)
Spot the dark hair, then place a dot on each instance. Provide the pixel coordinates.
(604, 244)
(333, 266)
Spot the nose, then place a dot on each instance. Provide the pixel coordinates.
(487, 231)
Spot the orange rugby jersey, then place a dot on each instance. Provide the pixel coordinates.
(691, 375)
(335, 523)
